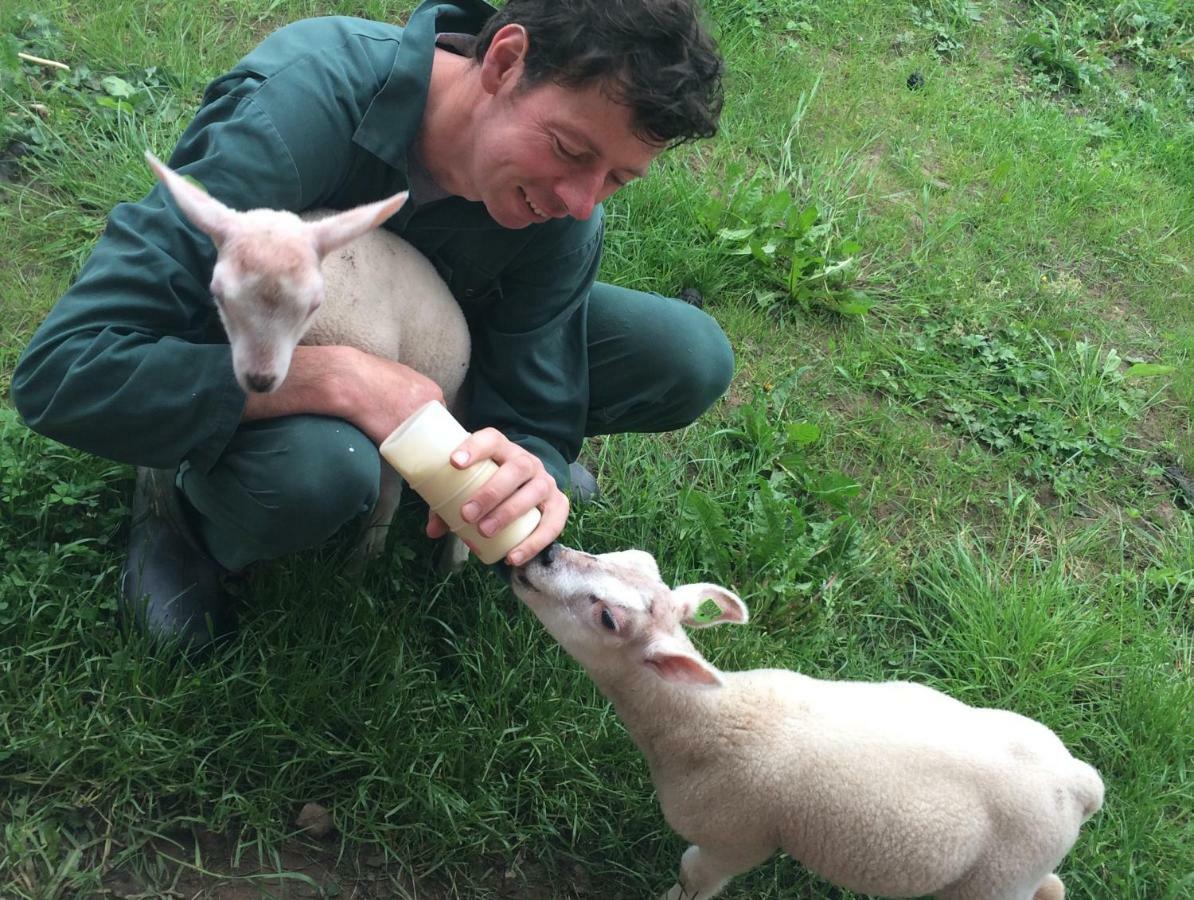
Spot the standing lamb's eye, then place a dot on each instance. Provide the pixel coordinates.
(608, 621)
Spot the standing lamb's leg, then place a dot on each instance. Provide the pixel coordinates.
(703, 874)
(1050, 889)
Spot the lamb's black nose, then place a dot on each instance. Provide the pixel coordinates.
(262, 384)
(548, 554)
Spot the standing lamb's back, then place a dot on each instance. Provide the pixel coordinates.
(892, 789)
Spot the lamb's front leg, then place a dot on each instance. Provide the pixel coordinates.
(450, 555)
(373, 541)
(704, 873)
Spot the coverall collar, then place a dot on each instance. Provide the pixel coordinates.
(392, 121)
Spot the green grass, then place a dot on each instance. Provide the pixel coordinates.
(964, 486)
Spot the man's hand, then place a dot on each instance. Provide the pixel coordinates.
(520, 484)
(374, 394)
(377, 396)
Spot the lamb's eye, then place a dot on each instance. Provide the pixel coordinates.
(608, 621)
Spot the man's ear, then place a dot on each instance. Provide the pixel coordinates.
(504, 59)
(679, 664)
(703, 605)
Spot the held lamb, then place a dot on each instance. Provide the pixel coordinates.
(327, 278)
(892, 789)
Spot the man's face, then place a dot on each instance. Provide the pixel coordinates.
(550, 151)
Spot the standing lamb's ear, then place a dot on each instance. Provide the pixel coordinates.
(335, 231)
(693, 601)
(672, 661)
(206, 213)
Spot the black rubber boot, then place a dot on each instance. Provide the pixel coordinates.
(171, 588)
(584, 486)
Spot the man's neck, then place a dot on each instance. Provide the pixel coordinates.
(444, 139)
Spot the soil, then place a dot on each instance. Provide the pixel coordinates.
(199, 865)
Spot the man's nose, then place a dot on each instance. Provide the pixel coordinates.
(580, 193)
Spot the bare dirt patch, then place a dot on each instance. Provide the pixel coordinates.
(203, 865)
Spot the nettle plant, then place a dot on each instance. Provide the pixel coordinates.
(1067, 409)
(50, 106)
(783, 527)
(62, 514)
(945, 22)
(1064, 58)
(797, 248)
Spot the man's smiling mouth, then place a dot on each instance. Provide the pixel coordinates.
(531, 203)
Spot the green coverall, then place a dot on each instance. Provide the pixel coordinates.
(132, 363)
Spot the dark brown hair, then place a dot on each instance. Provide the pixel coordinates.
(654, 56)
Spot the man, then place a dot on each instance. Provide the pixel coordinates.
(509, 129)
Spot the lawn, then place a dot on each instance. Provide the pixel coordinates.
(953, 245)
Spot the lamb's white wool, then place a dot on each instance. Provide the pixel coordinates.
(891, 788)
(326, 278)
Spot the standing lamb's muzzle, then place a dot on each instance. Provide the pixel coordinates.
(543, 560)
(891, 788)
(549, 554)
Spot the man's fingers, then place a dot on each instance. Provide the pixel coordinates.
(520, 483)
(488, 443)
(518, 471)
(555, 516)
(532, 494)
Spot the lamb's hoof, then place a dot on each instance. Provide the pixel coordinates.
(450, 555)
(368, 548)
(373, 542)
(676, 893)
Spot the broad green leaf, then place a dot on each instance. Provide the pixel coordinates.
(855, 304)
(112, 103)
(803, 433)
(117, 87)
(735, 234)
(1149, 370)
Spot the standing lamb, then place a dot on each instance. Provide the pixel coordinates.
(326, 278)
(889, 788)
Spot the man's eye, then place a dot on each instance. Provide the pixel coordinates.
(566, 152)
(608, 621)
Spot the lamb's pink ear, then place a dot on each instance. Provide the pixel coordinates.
(206, 213)
(335, 231)
(676, 663)
(696, 612)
